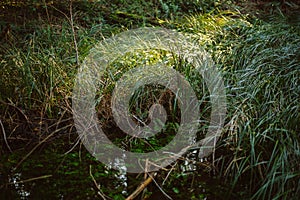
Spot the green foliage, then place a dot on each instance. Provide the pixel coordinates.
(262, 70)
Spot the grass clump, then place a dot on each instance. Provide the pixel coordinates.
(260, 62)
(40, 72)
(261, 67)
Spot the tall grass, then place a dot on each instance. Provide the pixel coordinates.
(261, 66)
(38, 72)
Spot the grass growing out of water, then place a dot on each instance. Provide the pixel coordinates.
(260, 149)
(261, 65)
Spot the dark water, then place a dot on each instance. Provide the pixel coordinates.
(49, 174)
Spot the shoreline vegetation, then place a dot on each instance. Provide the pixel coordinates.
(254, 44)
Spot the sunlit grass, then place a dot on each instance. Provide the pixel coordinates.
(260, 63)
(261, 67)
(39, 71)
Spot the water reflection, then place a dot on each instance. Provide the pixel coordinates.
(19, 186)
(119, 164)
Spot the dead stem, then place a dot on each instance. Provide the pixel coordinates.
(4, 137)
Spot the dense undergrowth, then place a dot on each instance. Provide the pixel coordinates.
(258, 156)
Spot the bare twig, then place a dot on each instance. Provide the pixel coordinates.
(173, 167)
(142, 187)
(164, 193)
(39, 144)
(73, 147)
(47, 13)
(96, 184)
(73, 32)
(151, 176)
(4, 137)
(70, 19)
(64, 14)
(31, 179)
(18, 109)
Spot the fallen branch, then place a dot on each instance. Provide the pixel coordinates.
(152, 175)
(142, 187)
